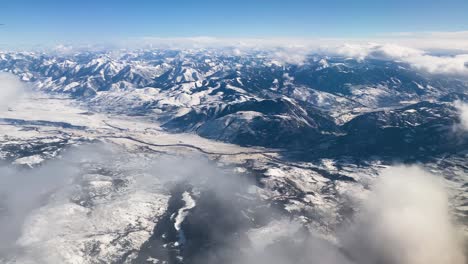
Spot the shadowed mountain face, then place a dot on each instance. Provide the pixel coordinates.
(420, 131)
(252, 123)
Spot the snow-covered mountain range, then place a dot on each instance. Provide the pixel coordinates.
(250, 99)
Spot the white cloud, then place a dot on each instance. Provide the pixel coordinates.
(455, 65)
(10, 89)
(412, 48)
(405, 220)
(418, 59)
(281, 50)
(290, 55)
(374, 50)
(463, 111)
(22, 191)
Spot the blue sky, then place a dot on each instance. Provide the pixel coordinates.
(47, 21)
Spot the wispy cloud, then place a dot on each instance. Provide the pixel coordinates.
(24, 190)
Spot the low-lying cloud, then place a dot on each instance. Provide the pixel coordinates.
(406, 220)
(10, 89)
(462, 108)
(418, 59)
(23, 190)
